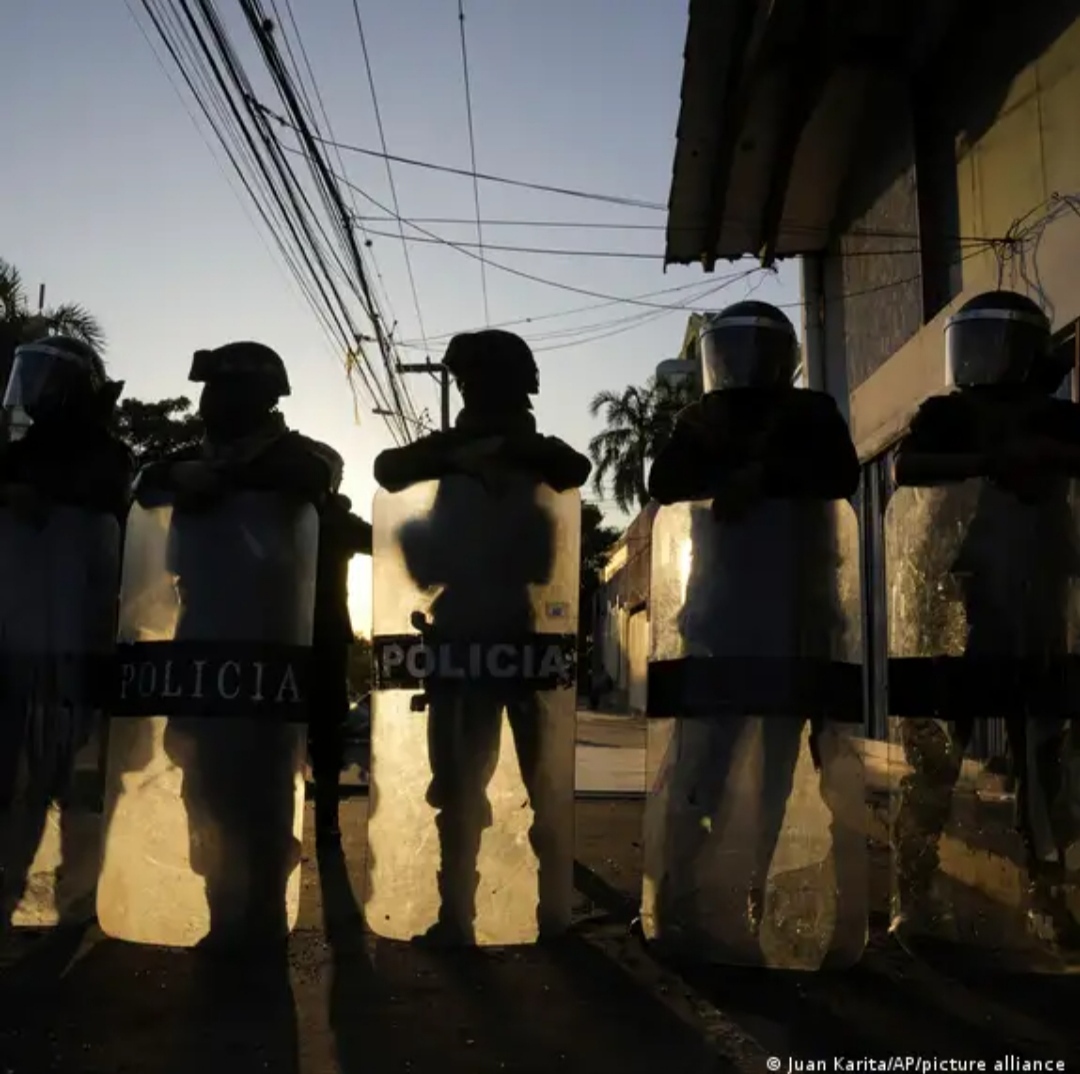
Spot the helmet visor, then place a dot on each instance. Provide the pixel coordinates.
(993, 347)
(747, 352)
(39, 373)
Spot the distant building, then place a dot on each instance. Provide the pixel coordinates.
(622, 601)
(622, 614)
(911, 154)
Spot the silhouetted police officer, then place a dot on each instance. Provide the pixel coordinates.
(752, 437)
(1002, 423)
(67, 458)
(494, 437)
(342, 535)
(247, 445)
(753, 434)
(69, 455)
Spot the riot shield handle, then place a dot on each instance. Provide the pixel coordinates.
(420, 622)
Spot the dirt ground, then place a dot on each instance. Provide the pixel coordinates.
(340, 1001)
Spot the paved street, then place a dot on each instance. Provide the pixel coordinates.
(343, 1002)
(610, 754)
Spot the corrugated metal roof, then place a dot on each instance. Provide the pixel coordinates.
(773, 92)
(716, 39)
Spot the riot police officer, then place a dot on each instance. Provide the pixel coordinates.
(1002, 424)
(66, 488)
(68, 455)
(753, 434)
(761, 592)
(496, 373)
(248, 446)
(493, 440)
(246, 440)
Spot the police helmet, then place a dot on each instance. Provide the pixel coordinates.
(52, 371)
(748, 345)
(492, 363)
(999, 337)
(245, 359)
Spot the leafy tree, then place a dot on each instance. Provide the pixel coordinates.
(596, 541)
(638, 424)
(154, 430)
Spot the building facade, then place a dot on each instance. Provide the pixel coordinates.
(622, 615)
(911, 155)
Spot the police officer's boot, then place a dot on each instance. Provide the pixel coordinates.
(457, 911)
(460, 831)
(552, 911)
(1049, 915)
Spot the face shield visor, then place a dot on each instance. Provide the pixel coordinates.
(748, 352)
(44, 378)
(994, 346)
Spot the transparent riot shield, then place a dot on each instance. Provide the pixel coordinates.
(58, 588)
(470, 831)
(984, 610)
(754, 847)
(205, 785)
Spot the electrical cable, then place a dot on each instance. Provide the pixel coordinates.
(472, 160)
(389, 170)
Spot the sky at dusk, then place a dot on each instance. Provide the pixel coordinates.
(111, 196)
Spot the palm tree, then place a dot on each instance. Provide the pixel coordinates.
(19, 324)
(639, 423)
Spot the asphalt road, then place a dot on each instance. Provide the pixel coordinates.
(341, 1001)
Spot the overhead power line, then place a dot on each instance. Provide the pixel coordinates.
(568, 192)
(472, 159)
(216, 80)
(574, 311)
(465, 252)
(389, 170)
(330, 130)
(263, 32)
(632, 255)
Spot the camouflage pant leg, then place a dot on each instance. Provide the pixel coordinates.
(935, 757)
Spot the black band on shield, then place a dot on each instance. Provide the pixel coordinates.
(755, 686)
(219, 680)
(413, 662)
(78, 680)
(990, 687)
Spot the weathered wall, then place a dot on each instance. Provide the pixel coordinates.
(872, 275)
(625, 589)
(1009, 102)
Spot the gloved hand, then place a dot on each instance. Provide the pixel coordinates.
(197, 486)
(739, 493)
(1023, 465)
(480, 459)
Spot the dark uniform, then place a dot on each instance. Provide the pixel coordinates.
(753, 436)
(1002, 424)
(494, 435)
(247, 446)
(67, 458)
(798, 437)
(342, 535)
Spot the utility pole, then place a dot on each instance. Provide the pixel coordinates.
(435, 369)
